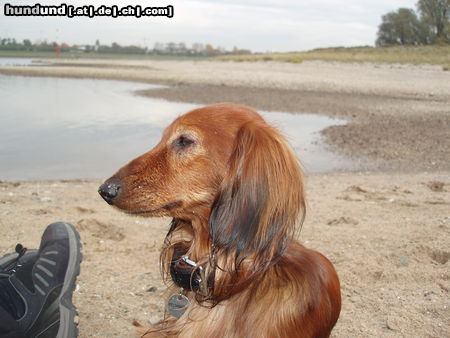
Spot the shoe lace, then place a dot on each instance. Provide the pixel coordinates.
(14, 265)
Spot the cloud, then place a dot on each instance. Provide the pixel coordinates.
(258, 25)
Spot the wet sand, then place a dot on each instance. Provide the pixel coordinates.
(386, 231)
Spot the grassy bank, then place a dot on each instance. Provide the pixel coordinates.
(438, 55)
(435, 55)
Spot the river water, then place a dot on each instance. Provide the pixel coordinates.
(57, 128)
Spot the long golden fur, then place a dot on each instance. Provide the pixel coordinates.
(234, 189)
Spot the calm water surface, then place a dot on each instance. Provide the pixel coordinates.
(54, 128)
(19, 62)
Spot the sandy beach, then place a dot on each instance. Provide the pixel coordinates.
(385, 227)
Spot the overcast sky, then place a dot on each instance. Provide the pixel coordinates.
(259, 25)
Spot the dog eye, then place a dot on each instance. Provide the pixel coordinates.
(183, 142)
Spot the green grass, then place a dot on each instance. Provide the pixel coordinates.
(24, 54)
(439, 55)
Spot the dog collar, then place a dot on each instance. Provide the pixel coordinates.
(185, 273)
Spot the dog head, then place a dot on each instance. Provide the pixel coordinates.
(223, 165)
(183, 172)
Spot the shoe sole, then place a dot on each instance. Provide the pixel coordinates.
(67, 326)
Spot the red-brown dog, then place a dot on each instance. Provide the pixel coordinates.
(234, 189)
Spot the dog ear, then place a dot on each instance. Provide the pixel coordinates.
(261, 198)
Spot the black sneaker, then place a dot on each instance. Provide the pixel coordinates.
(45, 280)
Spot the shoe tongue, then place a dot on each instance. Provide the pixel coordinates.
(24, 274)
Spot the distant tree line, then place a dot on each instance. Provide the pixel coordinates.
(429, 25)
(27, 45)
(171, 48)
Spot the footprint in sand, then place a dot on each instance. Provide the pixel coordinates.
(85, 210)
(436, 186)
(357, 193)
(100, 229)
(343, 220)
(395, 194)
(38, 212)
(439, 256)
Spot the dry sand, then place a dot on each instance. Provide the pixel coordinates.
(387, 232)
(388, 236)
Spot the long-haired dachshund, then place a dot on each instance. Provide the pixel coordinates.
(234, 189)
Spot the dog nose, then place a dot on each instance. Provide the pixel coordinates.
(110, 190)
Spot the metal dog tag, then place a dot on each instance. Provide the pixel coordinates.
(177, 305)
